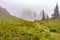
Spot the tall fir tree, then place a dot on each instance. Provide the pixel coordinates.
(56, 12)
(43, 15)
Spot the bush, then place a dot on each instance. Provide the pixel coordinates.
(53, 30)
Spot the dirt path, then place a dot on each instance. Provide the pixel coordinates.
(56, 35)
(42, 27)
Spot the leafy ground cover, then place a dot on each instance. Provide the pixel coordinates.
(13, 28)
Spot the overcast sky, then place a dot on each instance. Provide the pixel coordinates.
(15, 6)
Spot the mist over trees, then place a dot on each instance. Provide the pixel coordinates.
(27, 14)
(35, 16)
(32, 15)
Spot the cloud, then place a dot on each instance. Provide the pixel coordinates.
(15, 6)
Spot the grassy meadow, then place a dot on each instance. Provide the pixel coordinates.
(13, 28)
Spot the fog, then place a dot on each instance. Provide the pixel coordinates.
(15, 7)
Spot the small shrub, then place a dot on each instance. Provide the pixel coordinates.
(52, 30)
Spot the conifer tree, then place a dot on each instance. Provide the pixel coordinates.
(56, 12)
(43, 15)
(47, 17)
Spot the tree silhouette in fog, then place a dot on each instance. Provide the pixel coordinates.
(43, 15)
(56, 12)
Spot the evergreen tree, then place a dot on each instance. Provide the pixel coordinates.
(56, 12)
(47, 17)
(43, 15)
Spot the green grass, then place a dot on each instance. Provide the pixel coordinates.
(13, 28)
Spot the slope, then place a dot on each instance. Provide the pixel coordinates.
(13, 28)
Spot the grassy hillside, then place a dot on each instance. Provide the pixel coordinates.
(13, 28)
(53, 25)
